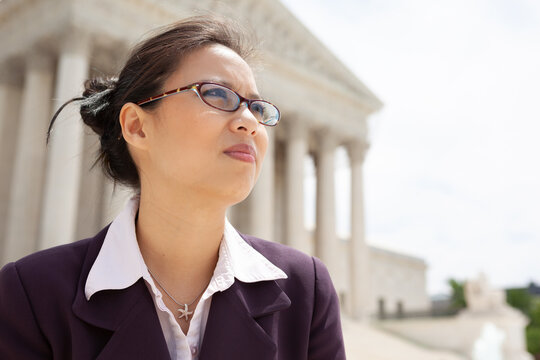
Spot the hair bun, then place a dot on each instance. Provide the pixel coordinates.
(97, 85)
(97, 97)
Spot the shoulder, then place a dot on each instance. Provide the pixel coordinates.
(308, 282)
(54, 259)
(36, 296)
(51, 270)
(296, 264)
(313, 296)
(286, 258)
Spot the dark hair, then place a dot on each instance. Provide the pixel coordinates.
(149, 65)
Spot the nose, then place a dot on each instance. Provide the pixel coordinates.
(245, 120)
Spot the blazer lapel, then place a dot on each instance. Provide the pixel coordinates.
(238, 324)
(129, 315)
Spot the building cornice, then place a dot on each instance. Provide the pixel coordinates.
(326, 91)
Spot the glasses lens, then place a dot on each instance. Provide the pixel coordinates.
(219, 97)
(265, 112)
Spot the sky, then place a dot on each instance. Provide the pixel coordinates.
(453, 172)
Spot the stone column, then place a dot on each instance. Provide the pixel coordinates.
(65, 148)
(28, 170)
(10, 100)
(262, 197)
(325, 232)
(295, 232)
(91, 188)
(359, 252)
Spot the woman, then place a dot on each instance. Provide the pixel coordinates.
(185, 127)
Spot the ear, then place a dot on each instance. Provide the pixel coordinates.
(133, 120)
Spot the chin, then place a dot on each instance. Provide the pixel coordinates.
(237, 185)
(238, 197)
(238, 193)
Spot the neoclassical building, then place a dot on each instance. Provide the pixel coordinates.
(50, 194)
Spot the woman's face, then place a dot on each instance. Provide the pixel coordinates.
(198, 150)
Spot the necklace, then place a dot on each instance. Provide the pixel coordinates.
(184, 313)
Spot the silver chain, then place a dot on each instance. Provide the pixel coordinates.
(172, 298)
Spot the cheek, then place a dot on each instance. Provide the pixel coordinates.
(183, 127)
(182, 143)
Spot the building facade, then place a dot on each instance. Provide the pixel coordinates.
(397, 285)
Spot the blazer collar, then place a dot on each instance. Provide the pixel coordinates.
(234, 329)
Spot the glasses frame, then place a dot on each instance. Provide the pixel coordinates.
(197, 86)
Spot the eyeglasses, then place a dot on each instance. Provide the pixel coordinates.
(222, 98)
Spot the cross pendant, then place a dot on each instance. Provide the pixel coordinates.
(184, 312)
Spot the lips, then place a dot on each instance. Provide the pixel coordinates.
(242, 152)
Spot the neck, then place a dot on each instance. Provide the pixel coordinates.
(179, 236)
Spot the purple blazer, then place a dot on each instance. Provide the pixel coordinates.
(44, 313)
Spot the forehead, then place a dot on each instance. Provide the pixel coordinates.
(216, 63)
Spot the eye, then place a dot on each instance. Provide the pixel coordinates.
(215, 92)
(219, 97)
(265, 112)
(257, 108)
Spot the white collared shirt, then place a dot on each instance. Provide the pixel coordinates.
(120, 251)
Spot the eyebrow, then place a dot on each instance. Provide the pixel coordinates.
(252, 96)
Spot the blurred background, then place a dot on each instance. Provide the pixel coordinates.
(454, 165)
(406, 160)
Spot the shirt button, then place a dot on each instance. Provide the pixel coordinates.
(193, 350)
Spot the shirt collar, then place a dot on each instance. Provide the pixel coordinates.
(120, 251)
